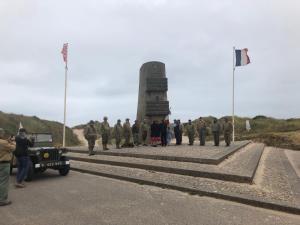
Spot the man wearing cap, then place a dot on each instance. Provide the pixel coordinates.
(21, 153)
(105, 133)
(135, 132)
(6, 149)
(90, 135)
(118, 133)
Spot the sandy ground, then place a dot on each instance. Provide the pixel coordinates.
(80, 136)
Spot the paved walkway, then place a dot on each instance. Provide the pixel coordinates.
(209, 151)
(81, 199)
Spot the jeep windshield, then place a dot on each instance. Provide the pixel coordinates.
(42, 140)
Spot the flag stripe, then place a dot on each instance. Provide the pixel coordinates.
(238, 57)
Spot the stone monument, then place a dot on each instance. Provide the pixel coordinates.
(153, 103)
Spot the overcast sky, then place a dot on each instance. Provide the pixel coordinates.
(109, 40)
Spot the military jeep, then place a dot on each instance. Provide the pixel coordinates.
(43, 155)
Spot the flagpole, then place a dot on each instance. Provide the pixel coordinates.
(65, 105)
(233, 69)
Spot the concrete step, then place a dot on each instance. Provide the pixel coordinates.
(242, 193)
(243, 172)
(208, 154)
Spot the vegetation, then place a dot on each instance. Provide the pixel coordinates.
(10, 123)
(273, 132)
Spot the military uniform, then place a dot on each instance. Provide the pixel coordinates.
(227, 132)
(201, 128)
(127, 133)
(118, 133)
(144, 131)
(135, 132)
(190, 130)
(6, 150)
(90, 135)
(105, 133)
(216, 128)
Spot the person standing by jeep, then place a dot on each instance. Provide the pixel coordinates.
(90, 135)
(6, 149)
(21, 153)
(105, 133)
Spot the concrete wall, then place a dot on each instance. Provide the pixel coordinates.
(153, 85)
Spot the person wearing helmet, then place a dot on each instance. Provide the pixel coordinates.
(190, 130)
(135, 132)
(90, 135)
(118, 129)
(127, 133)
(105, 133)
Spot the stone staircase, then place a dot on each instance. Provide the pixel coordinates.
(225, 173)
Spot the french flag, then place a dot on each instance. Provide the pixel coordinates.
(241, 57)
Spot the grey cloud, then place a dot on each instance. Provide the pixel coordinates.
(110, 40)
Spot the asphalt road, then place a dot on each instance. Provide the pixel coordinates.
(81, 199)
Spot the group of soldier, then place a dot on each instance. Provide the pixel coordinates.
(216, 129)
(119, 131)
(137, 134)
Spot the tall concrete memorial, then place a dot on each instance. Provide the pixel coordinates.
(153, 103)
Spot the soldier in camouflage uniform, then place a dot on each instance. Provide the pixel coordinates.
(90, 135)
(227, 128)
(201, 128)
(105, 133)
(6, 150)
(144, 130)
(190, 130)
(215, 129)
(127, 133)
(118, 133)
(135, 132)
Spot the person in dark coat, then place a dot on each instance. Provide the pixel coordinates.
(178, 132)
(163, 129)
(21, 153)
(155, 134)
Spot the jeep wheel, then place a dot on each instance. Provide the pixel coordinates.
(30, 173)
(65, 170)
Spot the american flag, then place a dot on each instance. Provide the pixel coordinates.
(64, 52)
